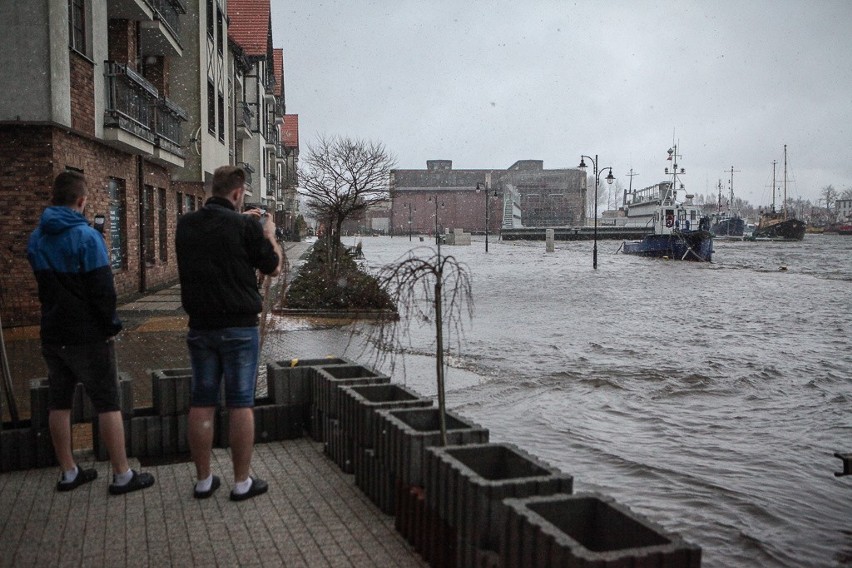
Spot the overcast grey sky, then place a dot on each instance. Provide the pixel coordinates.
(487, 82)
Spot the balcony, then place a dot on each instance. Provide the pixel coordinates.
(244, 121)
(138, 120)
(161, 34)
(135, 10)
(130, 110)
(169, 117)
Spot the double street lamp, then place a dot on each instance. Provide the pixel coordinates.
(480, 186)
(609, 179)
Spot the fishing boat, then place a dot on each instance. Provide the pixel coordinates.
(680, 229)
(727, 224)
(779, 225)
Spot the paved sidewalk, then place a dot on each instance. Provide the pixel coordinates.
(313, 515)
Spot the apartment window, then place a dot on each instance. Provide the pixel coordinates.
(221, 117)
(188, 203)
(211, 107)
(163, 225)
(148, 225)
(219, 31)
(210, 18)
(117, 224)
(77, 24)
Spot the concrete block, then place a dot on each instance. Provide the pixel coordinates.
(182, 433)
(170, 390)
(468, 484)
(328, 380)
(359, 403)
(288, 381)
(587, 529)
(403, 435)
(38, 403)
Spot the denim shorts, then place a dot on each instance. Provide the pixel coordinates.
(232, 353)
(92, 364)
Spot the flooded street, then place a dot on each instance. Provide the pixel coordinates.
(709, 397)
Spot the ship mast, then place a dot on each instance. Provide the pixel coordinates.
(774, 163)
(784, 207)
(731, 199)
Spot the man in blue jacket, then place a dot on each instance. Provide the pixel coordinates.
(78, 326)
(219, 250)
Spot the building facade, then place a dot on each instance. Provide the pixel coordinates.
(441, 198)
(138, 95)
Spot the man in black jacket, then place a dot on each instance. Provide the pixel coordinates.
(218, 251)
(78, 324)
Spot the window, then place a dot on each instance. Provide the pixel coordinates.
(179, 204)
(117, 224)
(211, 107)
(210, 18)
(219, 31)
(189, 203)
(148, 225)
(163, 225)
(77, 24)
(221, 117)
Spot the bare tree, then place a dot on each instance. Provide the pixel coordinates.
(829, 195)
(434, 289)
(342, 177)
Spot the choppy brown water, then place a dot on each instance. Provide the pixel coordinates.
(710, 398)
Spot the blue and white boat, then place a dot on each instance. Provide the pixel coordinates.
(681, 230)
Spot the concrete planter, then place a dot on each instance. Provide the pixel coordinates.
(403, 436)
(171, 390)
(587, 530)
(325, 385)
(465, 487)
(24, 447)
(359, 404)
(289, 381)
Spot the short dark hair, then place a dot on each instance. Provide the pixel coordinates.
(226, 179)
(68, 187)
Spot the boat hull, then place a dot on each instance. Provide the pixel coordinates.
(788, 230)
(728, 227)
(686, 245)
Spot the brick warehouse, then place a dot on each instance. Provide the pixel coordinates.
(546, 198)
(115, 89)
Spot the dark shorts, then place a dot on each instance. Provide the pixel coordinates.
(92, 364)
(231, 353)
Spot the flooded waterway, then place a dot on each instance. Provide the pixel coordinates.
(708, 397)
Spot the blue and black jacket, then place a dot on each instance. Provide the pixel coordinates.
(75, 283)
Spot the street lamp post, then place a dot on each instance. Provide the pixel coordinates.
(485, 186)
(609, 179)
(409, 221)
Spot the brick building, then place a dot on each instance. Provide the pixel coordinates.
(146, 99)
(545, 198)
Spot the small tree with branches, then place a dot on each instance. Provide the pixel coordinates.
(432, 289)
(342, 177)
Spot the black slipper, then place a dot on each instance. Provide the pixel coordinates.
(258, 487)
(138, 481)
(83, 476)
(205, 494)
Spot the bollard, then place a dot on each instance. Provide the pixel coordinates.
(549, 240)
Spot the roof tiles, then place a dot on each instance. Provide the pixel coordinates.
(249, 25)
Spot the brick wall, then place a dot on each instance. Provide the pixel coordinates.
(122, 42)
(26, 175)
(30, 158)
(82, 94)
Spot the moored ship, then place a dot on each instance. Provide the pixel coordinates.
(681, 231)
(779, 225)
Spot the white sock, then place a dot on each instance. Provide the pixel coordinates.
(203, 485)
(70, 475)
(122, 478)
(242, 486)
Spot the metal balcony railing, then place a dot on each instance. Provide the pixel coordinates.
(169, 11)
(245, 117)
(168, 125)
(130, 100)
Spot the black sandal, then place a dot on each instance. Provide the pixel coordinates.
(83, 476)
(138, 481)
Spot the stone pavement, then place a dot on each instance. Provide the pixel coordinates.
(313, 515)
